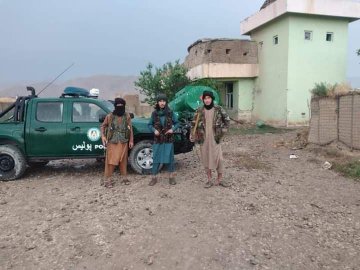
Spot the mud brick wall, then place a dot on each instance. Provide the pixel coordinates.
(323, 123)
(221, 51)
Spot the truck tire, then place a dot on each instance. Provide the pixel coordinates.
(141, 159)
(12, 162)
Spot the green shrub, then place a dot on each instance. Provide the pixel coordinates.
(349, 169)
(320, 90)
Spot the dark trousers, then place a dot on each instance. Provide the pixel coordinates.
(156, 167)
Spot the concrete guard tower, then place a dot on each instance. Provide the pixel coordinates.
(300, 43)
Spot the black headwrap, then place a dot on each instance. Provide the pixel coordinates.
(119, 110)
(159, 98)
(208, 94)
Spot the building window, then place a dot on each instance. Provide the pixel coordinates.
(308, 35)
(276, 40)
(208, 51)
(329, 36)
(227, 51)
(229, 95)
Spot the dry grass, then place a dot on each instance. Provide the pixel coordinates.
(330, 90)
(327, 152)
(339, 89)
(345, 163)
(299, 142)
(333, 153)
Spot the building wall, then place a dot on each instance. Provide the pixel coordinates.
(227, 61)
(313, 61)
(289, 70)
(244, 101)
(333, 8)
(233, 112)
(242, 98)
(270, 93)
(221, 51)
(223, 70)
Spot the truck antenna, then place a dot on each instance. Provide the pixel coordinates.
(56, 78)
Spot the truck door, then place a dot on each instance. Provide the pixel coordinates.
(83, 130)
(46, 130)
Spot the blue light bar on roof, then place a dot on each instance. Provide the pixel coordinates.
(76, 91)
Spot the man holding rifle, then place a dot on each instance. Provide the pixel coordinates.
(210, 123)
(163, 123)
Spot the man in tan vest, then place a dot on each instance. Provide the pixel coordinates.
(117, 136)
(210, 123)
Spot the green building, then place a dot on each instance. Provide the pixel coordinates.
(293, 45)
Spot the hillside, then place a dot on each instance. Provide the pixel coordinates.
(109, 86)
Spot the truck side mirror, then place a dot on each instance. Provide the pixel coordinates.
(102, 118)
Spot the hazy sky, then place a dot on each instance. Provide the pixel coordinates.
(40, 38)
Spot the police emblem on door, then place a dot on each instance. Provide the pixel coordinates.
(93, 134)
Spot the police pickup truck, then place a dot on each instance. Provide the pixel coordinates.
(35, 130)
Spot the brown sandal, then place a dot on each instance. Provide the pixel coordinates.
(153, 181)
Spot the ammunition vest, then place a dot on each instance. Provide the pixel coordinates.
(118, 132)
(163, 138)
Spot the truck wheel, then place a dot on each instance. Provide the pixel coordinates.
(141, 158)
(12, 162)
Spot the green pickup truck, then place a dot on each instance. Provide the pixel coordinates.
(35, 130)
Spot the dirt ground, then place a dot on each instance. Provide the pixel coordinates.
(279, 213)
